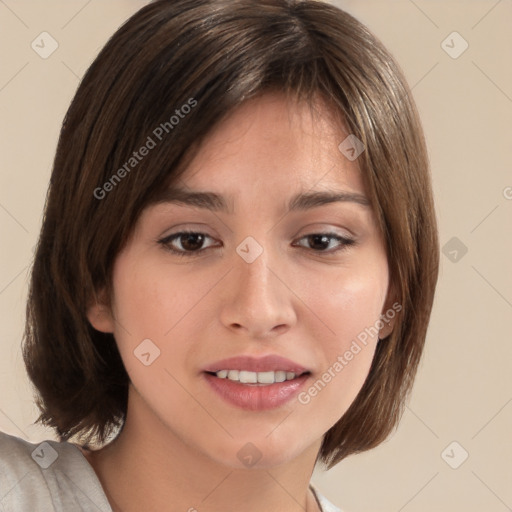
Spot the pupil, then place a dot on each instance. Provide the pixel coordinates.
(189, 240)
(322, 239)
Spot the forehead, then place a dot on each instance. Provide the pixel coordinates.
(274, 142)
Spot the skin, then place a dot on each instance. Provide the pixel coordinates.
(297, 299)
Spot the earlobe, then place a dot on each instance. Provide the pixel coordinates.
(386, 330)
(388, 314)
(100, 317)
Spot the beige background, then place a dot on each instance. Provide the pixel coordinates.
(463, 392)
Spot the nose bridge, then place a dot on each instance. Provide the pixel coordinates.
(257, 299)
(254, 273)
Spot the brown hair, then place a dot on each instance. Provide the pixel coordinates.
(212, 55)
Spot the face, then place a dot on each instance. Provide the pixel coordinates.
(285, 290)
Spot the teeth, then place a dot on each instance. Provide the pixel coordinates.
(246, 377)
(233, 374)
(266, 377)
(280, 376)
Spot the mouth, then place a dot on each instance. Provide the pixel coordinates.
(255, 396)
(256, 384)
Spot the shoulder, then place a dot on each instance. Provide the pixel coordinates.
(325, 504)
(49, 476)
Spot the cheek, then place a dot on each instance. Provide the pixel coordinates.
(153, 303)
(355, 306)
(150, 300)
(150, 313)
(349, 308)
(349, 303)
(139, 305)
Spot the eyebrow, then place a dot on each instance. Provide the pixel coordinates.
(299, 202)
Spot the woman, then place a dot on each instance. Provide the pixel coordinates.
(281, 138)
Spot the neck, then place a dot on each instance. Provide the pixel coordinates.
(148, 467)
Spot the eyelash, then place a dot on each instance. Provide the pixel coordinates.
(166, 241)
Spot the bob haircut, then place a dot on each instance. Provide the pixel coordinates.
(176, 69)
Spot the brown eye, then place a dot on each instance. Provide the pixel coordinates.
(319, 242)
(185, 243)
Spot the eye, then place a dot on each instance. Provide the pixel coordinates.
(191, 243)
(323, 241)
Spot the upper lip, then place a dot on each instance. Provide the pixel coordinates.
(268, 363)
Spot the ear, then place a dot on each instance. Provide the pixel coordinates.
(100, 315)
(389, 322)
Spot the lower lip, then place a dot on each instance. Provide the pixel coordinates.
(256, 397)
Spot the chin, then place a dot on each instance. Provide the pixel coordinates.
(259, 453)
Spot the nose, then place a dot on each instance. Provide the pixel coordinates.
(258, 298)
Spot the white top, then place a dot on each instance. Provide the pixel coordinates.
(56, 477)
